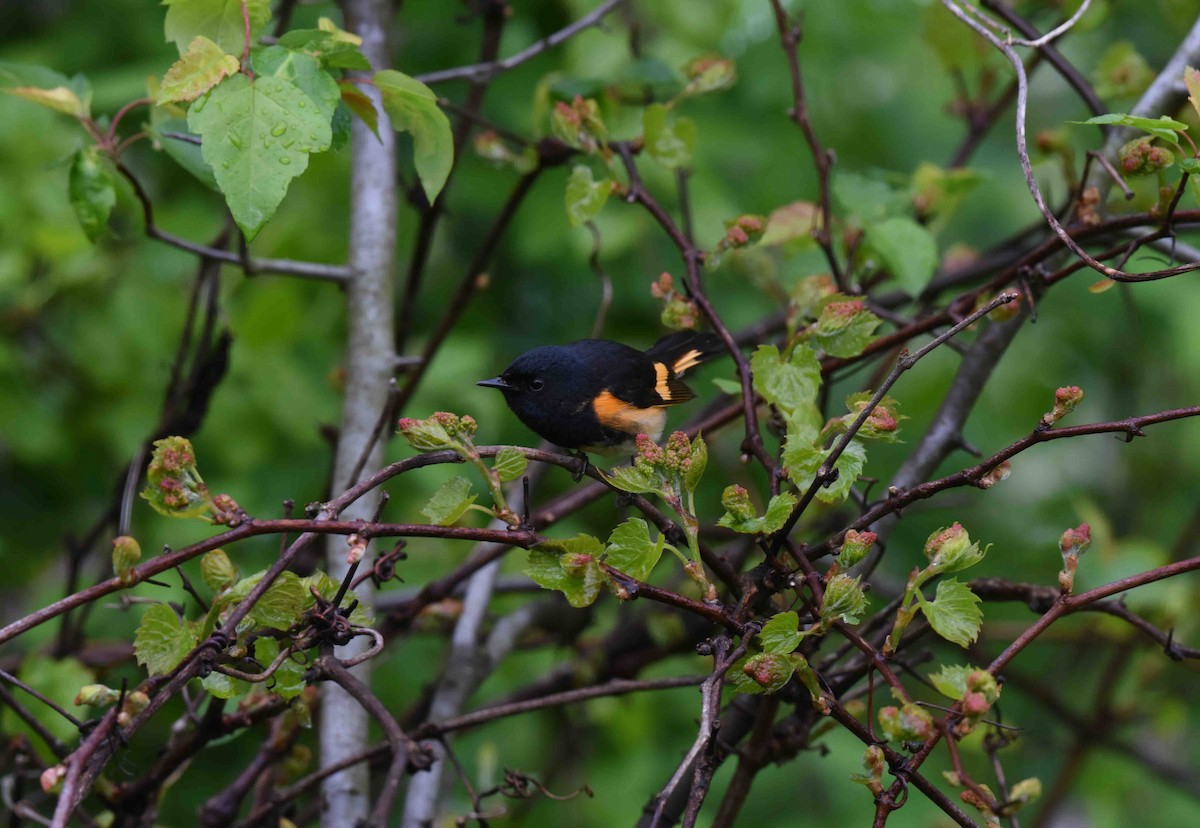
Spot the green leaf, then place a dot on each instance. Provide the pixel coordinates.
(1163, 127)
(844, 599)
(449, 502)
(867, 199)
(92, 188)
(790, 384)
(162, 640)
(288, 679)
(1190, 165)
(570, 567)
(218, 20)
(728, 386)
(907, 250)
(631, 550)
(698, 462)
(173, 484)
(281, 605)
(845, 329)
(257, 137)
(951, 680)
(362, 106)
(585, 196)
(201, 67)
(328, 588)
(803, 460)
(668, 141)
(781, 635)
(510, 463)
(778, 511)
(70, 96)
(633, 480)
(223, 686)
(333, 47)
(954, 612)
(305, 72)
(1191, 80)
(767, 672)
(413, 108)
(217, 570)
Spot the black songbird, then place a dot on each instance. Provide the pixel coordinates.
(598, 395)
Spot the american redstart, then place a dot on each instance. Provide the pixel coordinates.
(598, 395)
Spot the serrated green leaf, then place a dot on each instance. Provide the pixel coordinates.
(257, 136)
(803, 460)
(633, 480)
(631, 550)
(907, 249)
(201, 67)
(569, 566)
(288, 679)
(585, 196)
(449, 502)
(778, 511)
(510, 463)
(739, 681)
(70, 96)
(845, 329)
(413, 108)
(954, 612)
(92, 188)
(1162, 127)
(781, 635)
(281, 605)
(219, 20)
(769, 672)
(844, 599)
(668, 141)
(304, 71)
(951, 680)
(790, 384)
(162, 640)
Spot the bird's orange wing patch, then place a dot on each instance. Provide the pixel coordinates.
(669, 387)
(618, 415)
(689, 360)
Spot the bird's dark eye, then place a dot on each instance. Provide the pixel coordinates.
(537, 384)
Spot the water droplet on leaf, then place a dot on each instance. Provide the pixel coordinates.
(283, 159)
(279, 129)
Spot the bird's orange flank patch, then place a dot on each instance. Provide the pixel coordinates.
(619, 415)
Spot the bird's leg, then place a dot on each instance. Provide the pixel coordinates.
(584, 464)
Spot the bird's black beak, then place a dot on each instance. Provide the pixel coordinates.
(496, 382)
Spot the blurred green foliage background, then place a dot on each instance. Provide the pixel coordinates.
(87, 334)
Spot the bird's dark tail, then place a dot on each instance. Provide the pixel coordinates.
(686, 349)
